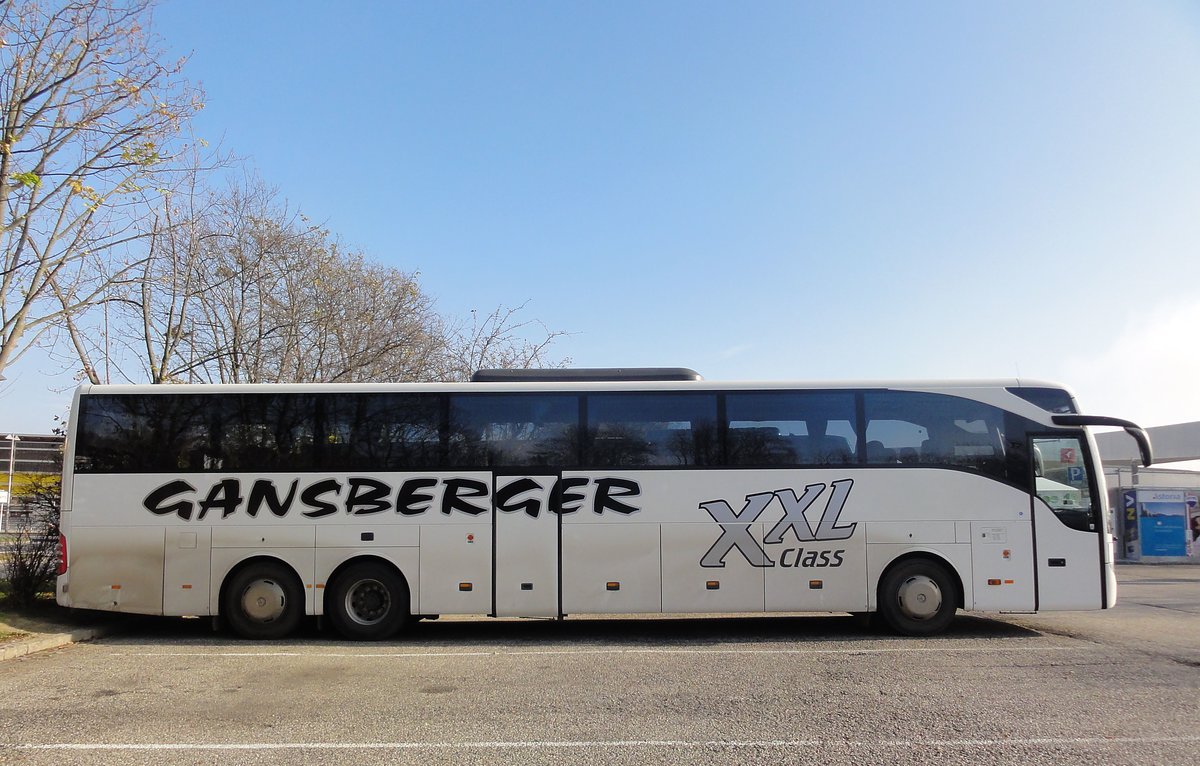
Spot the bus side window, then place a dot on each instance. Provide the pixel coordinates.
(790, 428)
(651, 429)
(513, 430)
(935, 430)
(382, 431)
(1063, 484)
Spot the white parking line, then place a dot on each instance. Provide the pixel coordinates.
(605, 744)
(569, 652)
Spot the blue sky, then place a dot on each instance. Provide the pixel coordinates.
(759, 191)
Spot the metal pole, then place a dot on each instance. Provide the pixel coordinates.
(12, 461)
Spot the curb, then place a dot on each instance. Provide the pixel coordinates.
(42, 642)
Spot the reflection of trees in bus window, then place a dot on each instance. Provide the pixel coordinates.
(791, 428)
(381, 431)
(513, 430)
(142, 433)
(265, 432)
(618, 445)
(652, 429)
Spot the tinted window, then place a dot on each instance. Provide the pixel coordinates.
(144, 433)
(263, 432)
(380, 432)
(513, 430)
(788, 428)
(651, 429)
(906, 428)
(257, 432)
(1053, 400)
(170, 432)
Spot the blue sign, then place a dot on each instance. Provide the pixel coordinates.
(1075, 474)
(1163, 527)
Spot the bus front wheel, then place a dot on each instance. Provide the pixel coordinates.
(368, 602)
(263, 601)
(917, 598)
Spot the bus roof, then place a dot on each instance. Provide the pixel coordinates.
(567, 384)
(581, 374)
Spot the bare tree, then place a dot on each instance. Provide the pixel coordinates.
(500, 340)
(236, 287)
(348, 319)
(91, 119)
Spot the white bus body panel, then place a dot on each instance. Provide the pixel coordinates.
(117, 568)
(187, 571)
(590, 561)
(740, 586)
(1069, 568)
(526, 554)
(670, 550)
(1002, 566)
(454, 555)
(791, 586)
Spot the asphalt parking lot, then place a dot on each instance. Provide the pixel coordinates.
(1105, 688)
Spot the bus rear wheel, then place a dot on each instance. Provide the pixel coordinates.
(368, 602)
(263, 601)
(917, 598)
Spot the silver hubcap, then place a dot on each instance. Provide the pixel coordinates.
(368, 602)
(920, 597)
(264, 601)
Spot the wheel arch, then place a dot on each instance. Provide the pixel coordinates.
(249, 561)
(364, 558)
(924, 555)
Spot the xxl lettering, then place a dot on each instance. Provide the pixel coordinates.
(794, 517)
(735, 531)
(735, 527)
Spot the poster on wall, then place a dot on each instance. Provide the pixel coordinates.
(1193, 509)
(1163, 523)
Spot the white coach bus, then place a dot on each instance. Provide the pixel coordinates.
(568, 492)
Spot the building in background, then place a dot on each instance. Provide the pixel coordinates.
(1156, 517)
(32, 455)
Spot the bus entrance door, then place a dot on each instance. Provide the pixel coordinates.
(1068, 527)
(527, 544)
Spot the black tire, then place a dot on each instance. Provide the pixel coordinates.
(918, 598)
(263, 601)
(368, 602)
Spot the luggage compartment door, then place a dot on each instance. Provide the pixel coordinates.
(527, 538)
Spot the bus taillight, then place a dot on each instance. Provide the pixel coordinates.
(62, 554)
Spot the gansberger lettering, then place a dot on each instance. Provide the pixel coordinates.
(364, 495)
